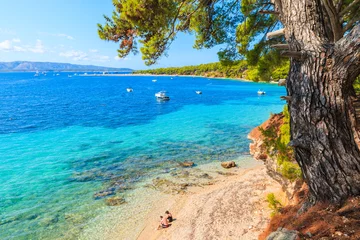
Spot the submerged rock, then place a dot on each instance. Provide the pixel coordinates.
(47, 221)
(225, 173)
(74, 218)
(169, 187)
(187, 164)
(104, 193)
(114, 201)
(205, 175)
(229, 164)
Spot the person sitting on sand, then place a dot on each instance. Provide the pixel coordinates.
(163, 223)
(169, 216)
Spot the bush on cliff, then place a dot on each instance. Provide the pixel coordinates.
(276, 143)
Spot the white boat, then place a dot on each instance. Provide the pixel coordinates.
(261, 92)
(154, 80)
(37, 74)
(198, 92)
(129, 89)
(162, 95)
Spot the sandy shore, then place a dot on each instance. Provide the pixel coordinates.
(233, 208)
(207, 201)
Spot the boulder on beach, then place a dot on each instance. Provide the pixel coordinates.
(229, 164)
(187, 164)
(114, 201)
(283, 234)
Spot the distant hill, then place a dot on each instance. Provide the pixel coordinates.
(52, 66)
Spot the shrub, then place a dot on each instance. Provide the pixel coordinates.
(274, 204)
(276, 144)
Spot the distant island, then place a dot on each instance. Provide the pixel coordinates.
(26, 66)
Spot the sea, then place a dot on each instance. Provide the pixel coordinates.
(67, 139)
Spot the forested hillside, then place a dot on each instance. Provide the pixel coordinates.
(239, 69)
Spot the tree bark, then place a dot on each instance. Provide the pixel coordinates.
(323, 130)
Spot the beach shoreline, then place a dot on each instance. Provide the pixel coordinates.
(210, 191)
(169, 75)
(164, 75)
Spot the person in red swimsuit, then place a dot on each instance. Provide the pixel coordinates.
(163, 223)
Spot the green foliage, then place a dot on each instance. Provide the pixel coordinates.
(356, 85)
(230, 69)
(235, 70)
(155, 23)
(274, 204)
(290, 170)
(276, 144)
(236, 25)
(285, 128)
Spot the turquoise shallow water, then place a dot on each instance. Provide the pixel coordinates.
(63, 140)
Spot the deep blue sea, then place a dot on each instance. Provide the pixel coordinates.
(62, 139)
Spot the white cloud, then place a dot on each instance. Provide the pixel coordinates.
(8, 46)
(75, 55)
(61, 35)
(93, 50)
(19, 49)
(5, 45)
(64, 35)
(39, 47)
(78, 55)
(101, 58)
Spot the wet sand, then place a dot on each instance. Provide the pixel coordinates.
(207, 201)
(233, 208)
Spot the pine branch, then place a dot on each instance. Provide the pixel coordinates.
(348, 8)
(334, 19)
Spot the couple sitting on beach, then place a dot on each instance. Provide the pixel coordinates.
(164, 221)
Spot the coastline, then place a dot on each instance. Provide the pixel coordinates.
(169, 75)
(164, 75)
(209, 200)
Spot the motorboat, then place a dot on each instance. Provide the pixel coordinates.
(261, 92)
(198, 92)
(162, 96)
(129, 89)
(154, 80)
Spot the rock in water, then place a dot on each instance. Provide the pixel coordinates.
(114, 201)
(186, 164)
(229, 164)
(282, 234)
(104, 193)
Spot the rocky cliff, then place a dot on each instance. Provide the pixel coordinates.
(260, 151)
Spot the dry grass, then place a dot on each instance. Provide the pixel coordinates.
(322, 221)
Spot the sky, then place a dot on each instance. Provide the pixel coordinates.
(66, 31)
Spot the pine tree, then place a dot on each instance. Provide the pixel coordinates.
(322, 40)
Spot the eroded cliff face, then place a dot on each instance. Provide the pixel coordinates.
(260, 152)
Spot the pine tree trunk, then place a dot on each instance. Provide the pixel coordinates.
(320, 82)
